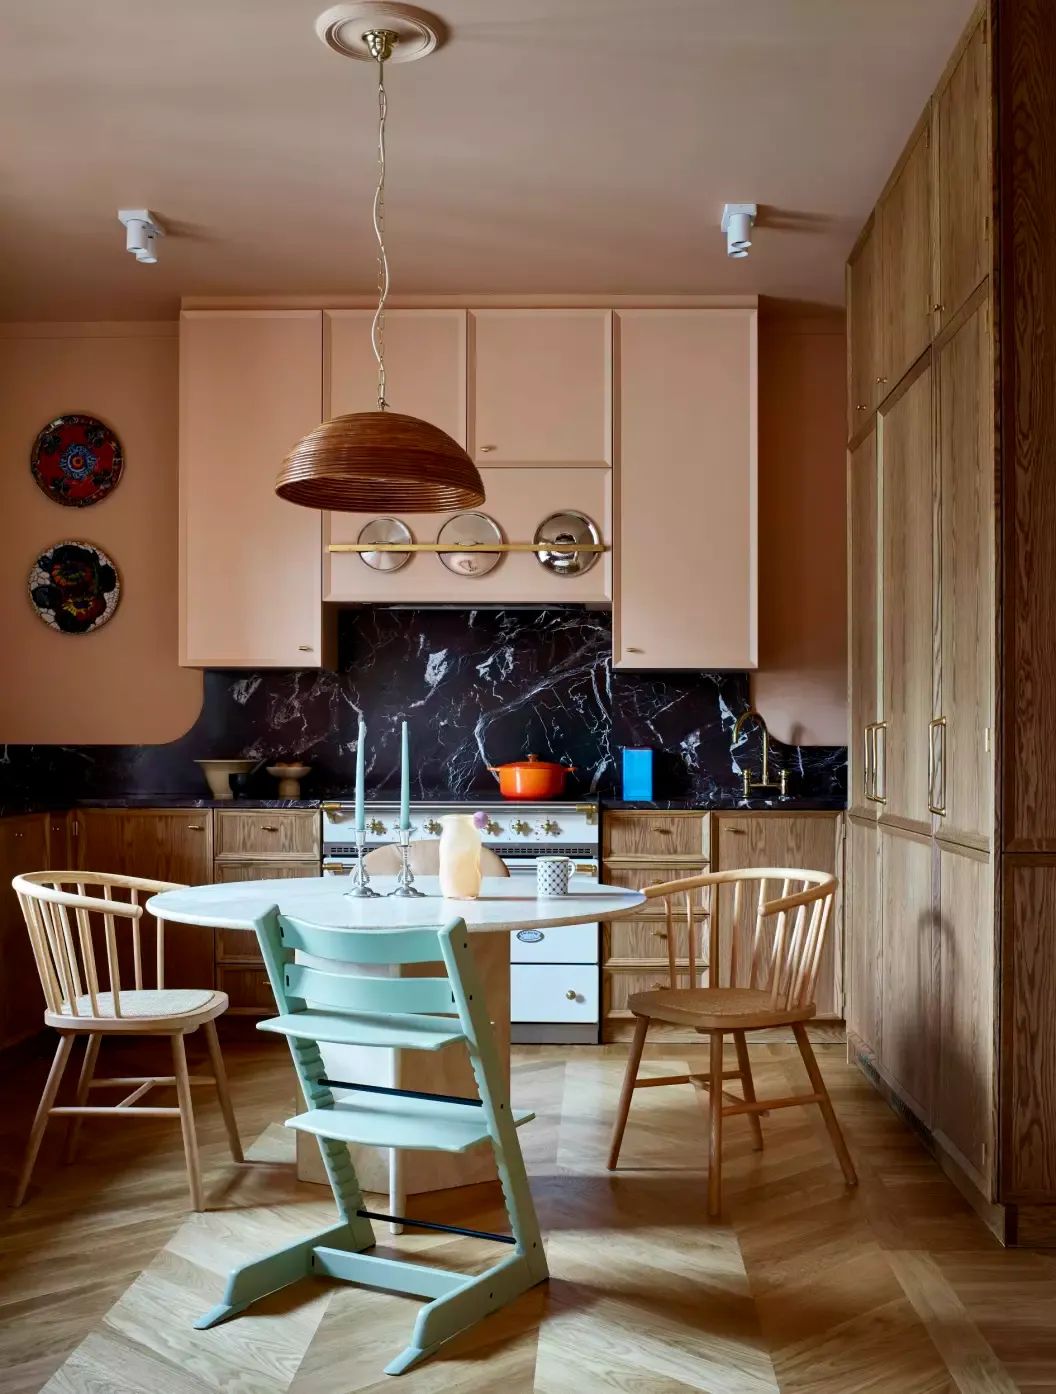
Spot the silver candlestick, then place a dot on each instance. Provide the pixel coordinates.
(360, 877)
(405, 876)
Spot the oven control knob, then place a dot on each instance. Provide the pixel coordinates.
(376, 826)
(492, 828)
(551, 828)
(434, 827)
(521, 828)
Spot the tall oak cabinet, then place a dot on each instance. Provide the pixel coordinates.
(950, 965)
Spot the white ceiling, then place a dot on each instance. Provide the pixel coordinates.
(585, 147)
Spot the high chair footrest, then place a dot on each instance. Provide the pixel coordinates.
(381, 1121)
(398, 1032)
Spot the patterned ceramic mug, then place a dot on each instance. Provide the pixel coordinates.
(552, 875)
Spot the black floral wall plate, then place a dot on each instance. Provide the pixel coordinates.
(74, 587)
(77, 460)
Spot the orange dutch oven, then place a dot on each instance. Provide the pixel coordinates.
(532, 778)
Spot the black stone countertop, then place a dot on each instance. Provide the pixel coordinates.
(756, 803)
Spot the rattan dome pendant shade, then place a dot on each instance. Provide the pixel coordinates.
(379, 462)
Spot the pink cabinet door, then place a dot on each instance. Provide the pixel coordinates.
(541, 387)
(685, 590)
(251, 585)
(425, 365)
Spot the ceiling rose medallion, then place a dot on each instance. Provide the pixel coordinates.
(380, 461)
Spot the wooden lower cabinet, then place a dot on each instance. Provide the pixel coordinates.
(642, 848)
(161, 845)
(239, 966)
(863, 940)
(964, 1097)
(909, 1039)
(23, 847)
(812, 841)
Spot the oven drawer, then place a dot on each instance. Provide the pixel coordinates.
(540, 992)
(573, 943)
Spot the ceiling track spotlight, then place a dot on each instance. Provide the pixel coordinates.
(737, 222)
(142, 231)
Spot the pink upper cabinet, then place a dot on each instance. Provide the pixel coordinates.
(425, 365)
(685, 489)
(250, 573)
(541, 387)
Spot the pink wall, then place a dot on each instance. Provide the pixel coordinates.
(121, 683)
(801, 685)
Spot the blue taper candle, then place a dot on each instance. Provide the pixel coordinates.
(361, 746)
(405, 780)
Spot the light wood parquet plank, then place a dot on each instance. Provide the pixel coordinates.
(804, 1287)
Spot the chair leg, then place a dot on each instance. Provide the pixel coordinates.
(91, 1056)
(190, 1139)
(744, 1064)
(634, 1057)
(40, 1119)
(715, 1126)
(220, 1076)
(825, 1104)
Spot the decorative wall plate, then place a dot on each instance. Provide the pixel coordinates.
(74, 587)
(567, 526)
(385, 530)
(470, 527)
(77, 460)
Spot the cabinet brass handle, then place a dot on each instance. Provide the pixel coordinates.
(304, 648)
(571, 994)
(268, 828)
(196, 827)
(936, 805)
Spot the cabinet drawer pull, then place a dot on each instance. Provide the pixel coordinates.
(632, 649)
(268, 828)
(304, 648)
(196, 827)
(487, 449)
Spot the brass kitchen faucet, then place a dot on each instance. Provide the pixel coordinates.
(765, 782)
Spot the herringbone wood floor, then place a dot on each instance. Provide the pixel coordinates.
(804, 1287)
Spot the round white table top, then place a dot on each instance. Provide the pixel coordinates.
(504, 904)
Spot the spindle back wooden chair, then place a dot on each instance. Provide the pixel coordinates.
(766, 931)
(94, 963)
(322, 998)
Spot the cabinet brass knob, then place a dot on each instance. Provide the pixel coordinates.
(938, 309)
(571, 994)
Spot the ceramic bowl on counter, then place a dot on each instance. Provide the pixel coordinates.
(218, 774)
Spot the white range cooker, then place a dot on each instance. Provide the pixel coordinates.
(554, 975)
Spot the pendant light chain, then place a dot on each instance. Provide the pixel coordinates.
(380, 42)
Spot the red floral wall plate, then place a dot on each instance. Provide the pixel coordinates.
(74, 587)
(77, 460)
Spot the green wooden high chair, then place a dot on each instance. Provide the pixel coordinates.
(404, 1014)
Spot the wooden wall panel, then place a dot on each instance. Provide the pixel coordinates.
(1027, 250)
(1029, 1064)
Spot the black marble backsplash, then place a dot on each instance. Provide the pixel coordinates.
(477, 687)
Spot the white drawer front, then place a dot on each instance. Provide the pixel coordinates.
(540, 992)
(574, 943)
